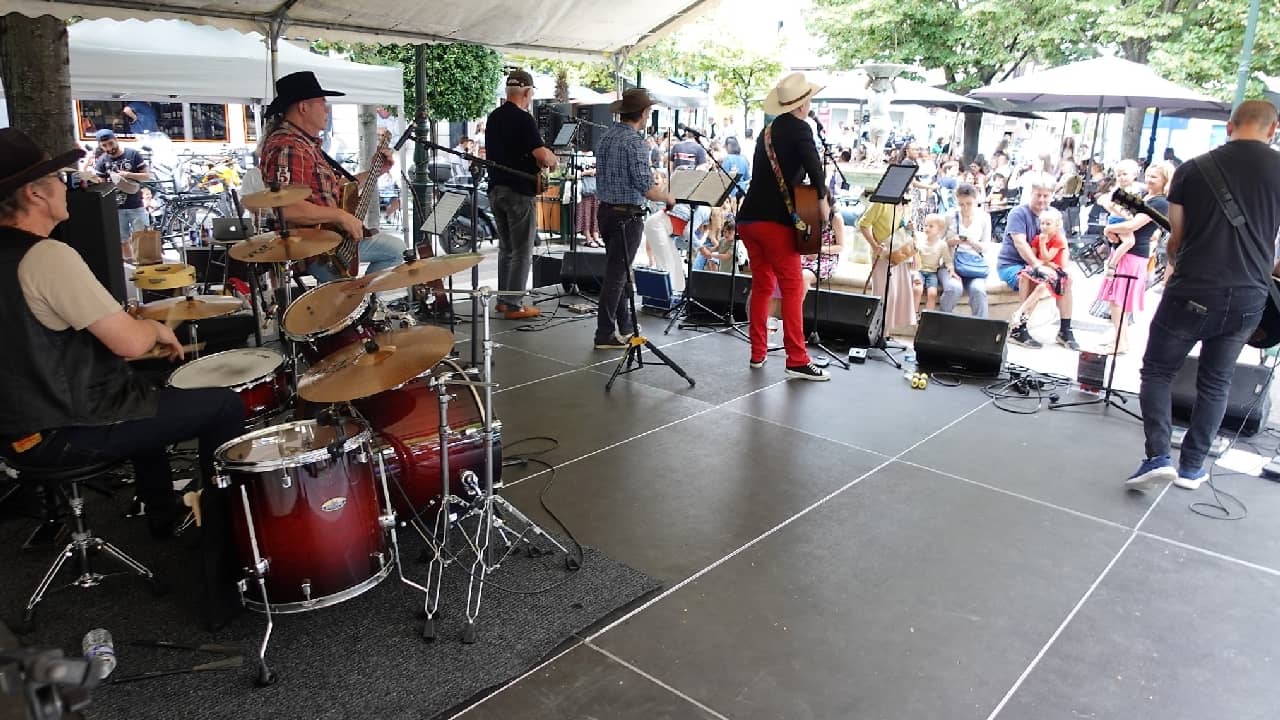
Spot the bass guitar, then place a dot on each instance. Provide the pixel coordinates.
(356, 198)
(1268, 332)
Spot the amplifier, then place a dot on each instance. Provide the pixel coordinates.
(584, 269)
(945, 341)
(1248, 401)
(546, 270)
(852, 317)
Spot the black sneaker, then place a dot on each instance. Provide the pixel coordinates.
(807, 372)
(1068, 341)
(613, 343)
(1022, 336)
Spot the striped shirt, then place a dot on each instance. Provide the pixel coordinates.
(622, 166)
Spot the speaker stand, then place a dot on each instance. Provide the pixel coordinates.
(1110, 396)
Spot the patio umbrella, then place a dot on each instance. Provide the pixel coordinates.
(851, 87)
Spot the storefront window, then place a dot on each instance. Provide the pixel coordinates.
(250, 126)
(209, 122)
(129, 118)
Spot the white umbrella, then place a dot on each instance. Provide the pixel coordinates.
(1108, 83)
(852, 88)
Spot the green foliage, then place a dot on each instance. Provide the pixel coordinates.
(596, 75)
(1206, 52)
(668, 59)
(741, 77)
(461, 78)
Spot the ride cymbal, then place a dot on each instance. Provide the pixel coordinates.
(285, 196)
(298, 244)
(363, 369)
(416, 272)
(192, 307)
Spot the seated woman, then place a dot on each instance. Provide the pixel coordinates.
(971, 233)
(1050, 246)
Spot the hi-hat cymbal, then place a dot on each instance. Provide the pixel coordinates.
(416, 272)
(299, 244)
(285, 196)
(358, 371)
(192, 307)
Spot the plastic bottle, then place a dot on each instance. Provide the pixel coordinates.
(97, 645)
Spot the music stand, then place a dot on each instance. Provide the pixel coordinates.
(698, 188)
(891, 190)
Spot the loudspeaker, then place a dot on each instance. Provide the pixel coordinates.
(960, 342)
(93, 229)
(852, 317)
(712, 290)
(588, 137)
(584, 269)
(546, 270)
(550, 115)
(1248, 396)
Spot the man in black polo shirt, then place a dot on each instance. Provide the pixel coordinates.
(512, 140)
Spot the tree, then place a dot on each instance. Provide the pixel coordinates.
(668, 59)
(974, 42)
(741, 77)
(1205, 52)
(597, 75)
(35, 69)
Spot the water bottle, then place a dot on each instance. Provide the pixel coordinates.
(97, 645)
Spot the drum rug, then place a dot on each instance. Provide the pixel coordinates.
(363, 658)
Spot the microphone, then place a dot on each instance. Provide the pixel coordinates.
(813, 115)
(694, 131)
(408, 132)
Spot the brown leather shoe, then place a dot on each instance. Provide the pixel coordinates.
(523, 313)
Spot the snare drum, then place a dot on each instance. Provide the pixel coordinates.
(311, 506)
(407, 423)
(328, 318)
(256, 374)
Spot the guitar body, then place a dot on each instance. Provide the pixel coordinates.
(808, 208)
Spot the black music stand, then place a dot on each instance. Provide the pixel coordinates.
(700, 191)
(891, 190)
(1110, 394)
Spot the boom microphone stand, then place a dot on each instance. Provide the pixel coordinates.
(816, 338)
(1106, 400)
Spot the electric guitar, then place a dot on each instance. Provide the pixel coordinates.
(1268, 332)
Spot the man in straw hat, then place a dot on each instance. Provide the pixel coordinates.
(767, 221)
(623, 182)
(70, 398)
(291, 154)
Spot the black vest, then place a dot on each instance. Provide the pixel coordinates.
(57, 379)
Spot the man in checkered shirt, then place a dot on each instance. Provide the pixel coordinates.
(291, 154)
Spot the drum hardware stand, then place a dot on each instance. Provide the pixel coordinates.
(681, 310)
(633, 358)
(1110, 394)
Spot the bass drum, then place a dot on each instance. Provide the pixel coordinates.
(313, 511)
(406, 425)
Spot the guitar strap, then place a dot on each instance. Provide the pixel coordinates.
(1212, 172)
(337, 167)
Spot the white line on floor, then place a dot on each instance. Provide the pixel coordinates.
(655, 680)
(1211, 553)
(517, 679)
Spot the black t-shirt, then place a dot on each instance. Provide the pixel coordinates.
(510, 137)
(1212, 255)
(797, 157)
(687, 153)
(1142, 236)
(130, 160)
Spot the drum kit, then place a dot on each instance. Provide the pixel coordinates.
(376, 440)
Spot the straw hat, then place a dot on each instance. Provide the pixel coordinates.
(789, 94)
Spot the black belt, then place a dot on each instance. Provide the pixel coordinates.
(623, 208)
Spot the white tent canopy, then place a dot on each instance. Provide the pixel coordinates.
(585, 28)
(173, 60)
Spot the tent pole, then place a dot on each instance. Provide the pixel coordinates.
(1246, 53)
(1151, 144)
(273, 44)
(1093, 145)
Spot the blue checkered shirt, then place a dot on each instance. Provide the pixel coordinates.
(622, 166)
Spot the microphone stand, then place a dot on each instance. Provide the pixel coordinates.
(1110, 394)
(816, 338)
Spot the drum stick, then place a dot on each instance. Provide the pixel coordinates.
(158, 352)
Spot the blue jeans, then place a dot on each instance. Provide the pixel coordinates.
(953, 287)
(1221, 320)
(382, 251)
(132, 219)
(517, 229)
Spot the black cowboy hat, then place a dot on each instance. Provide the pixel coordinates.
(633, 100)
(296, 87)
(22, 161)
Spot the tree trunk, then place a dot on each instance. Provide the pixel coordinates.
(562, 85)
(1131, 136)
(35, 69)
(972, 130)
(746, 117)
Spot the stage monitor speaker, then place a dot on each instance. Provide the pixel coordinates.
(93, 229)
(846, 316)
(712, 289)
(1248, 396)
(584, 269)
(588, 134)
(949, 342)
(546, 270)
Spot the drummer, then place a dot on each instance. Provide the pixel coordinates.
(290, 153)
(69, 395)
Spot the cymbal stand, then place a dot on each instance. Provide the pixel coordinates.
(291, 347)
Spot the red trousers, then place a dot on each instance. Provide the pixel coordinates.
(771, 249)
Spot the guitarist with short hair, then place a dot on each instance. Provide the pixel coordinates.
(291, 154)
(1219, 285)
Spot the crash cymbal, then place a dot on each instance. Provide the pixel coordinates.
(191, 307)
(285, 196)
(168, 276)
(321, 308)
(299, 244)
(392, 359)
(416, 272)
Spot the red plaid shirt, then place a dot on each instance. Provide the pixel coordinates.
(294, 158)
